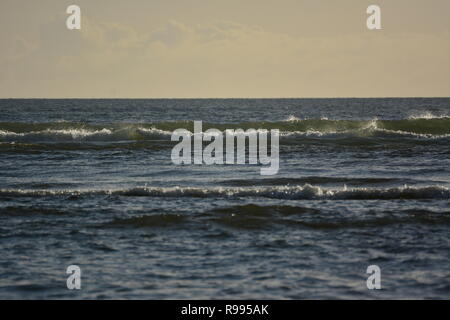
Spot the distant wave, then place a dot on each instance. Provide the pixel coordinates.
(415, 128)
(88, 135)
(428, 115)
(420, 126)
(248, 216)
(283, 181)
(305, 192)
(253, 216)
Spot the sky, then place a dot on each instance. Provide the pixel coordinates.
(224, 49)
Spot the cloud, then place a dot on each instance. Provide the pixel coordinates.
(172, 34)
(224, 59)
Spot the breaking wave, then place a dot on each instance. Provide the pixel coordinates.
(305, 192)
(424, 128)
(89, 135)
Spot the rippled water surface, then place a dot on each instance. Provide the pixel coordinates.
(91, 182)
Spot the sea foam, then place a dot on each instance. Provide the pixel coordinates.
(305, 192)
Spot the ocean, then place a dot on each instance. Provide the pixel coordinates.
(91, 183)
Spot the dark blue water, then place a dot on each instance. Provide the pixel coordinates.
(91, 182)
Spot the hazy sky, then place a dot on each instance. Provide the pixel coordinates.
(224, 48)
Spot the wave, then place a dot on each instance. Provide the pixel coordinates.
(252, 216)
(283, 181)
(417, 127)
(89, 135)
(305, 192)
(428, 115)
(255, 216)
(293, 127)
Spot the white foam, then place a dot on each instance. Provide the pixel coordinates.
(292, 118)
(63, 135)
(428, 116)
(305, 192)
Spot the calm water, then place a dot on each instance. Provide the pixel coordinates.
(91, 183)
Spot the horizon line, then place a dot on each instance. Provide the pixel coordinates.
(219, 98)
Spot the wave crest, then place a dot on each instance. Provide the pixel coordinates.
(423, 128)
(305, 192)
